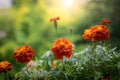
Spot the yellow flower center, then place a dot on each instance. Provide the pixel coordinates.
(87, 31)
(99, 28)
(61, 45)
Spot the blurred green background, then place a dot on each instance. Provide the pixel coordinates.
(27, 22)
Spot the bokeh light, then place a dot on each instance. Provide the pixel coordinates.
(65, 9)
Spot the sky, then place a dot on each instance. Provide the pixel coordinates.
(5, 3)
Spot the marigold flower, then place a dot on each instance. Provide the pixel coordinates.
(54, 64)
(96, 33)
(99, 33)
(87, 35)
(31, 64)
(105, 79)
(23, 54)
(62, 47)
(105, 21)
(5, 66)
(54, 19)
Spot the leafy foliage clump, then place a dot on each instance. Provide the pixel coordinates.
(93, 63)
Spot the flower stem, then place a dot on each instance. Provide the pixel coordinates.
(6, 76)
(93, 47)
(55, 24)
(70, 33)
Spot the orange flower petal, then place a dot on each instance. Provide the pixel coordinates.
(105, 21)
(54, 19)
(96, 33)
(61, 48)
(23, 54)
(5, 66)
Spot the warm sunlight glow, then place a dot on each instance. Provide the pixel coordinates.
(67, 3)
(65, 9)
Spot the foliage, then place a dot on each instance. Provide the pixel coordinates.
(92, 63)
(26, 22)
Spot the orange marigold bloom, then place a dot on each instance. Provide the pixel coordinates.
(54, 19)
(105, 79)
(105, 21)
(99, 33)
(5, 66)
(23, 54)
(31, 64)
(62, 47)
(96, 33)
(87, 34)
(54, 63)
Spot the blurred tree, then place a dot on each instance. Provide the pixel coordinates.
(95, 10)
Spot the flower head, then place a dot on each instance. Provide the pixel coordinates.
(105, 21)
(23, 54)
(31, 64)
(54, 19)
(99, 33)
(5, 66)
(105, 79)
(87, 34)
(54, 63)
(96, 33)
(62, 47)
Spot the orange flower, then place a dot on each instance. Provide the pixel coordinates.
(99, 33)
(62, 47)
(87, 34)
(31, 64)
(96, 33)
(105, 79)
(5, 66)
(54, 19)
(23, 54)
(105, 21)
(54, 64)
